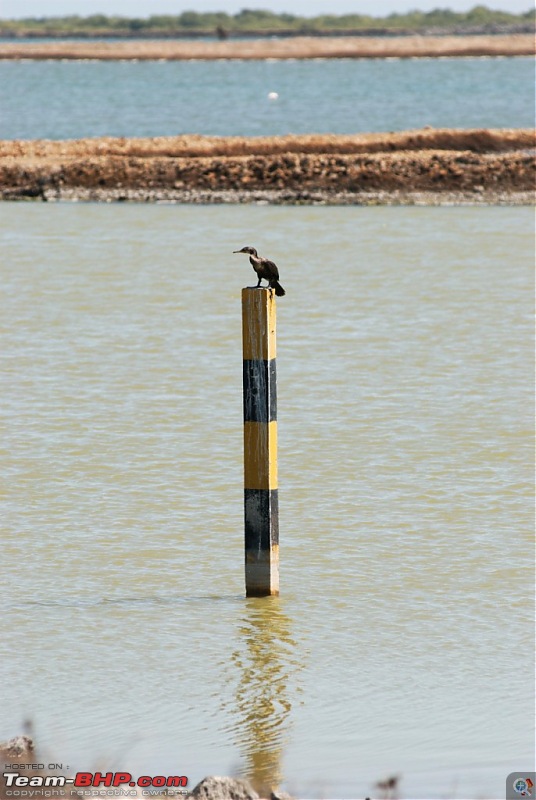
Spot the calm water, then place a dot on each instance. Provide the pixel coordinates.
(63, 100)
(402, 640)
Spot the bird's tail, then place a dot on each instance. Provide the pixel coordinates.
(277, 288)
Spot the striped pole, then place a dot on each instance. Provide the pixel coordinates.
(261, 510)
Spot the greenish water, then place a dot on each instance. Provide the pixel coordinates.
(403, 639)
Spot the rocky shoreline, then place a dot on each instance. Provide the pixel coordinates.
(380, 198)
(423, 167)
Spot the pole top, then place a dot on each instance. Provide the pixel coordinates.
(258, 323)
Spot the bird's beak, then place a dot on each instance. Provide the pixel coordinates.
(237, 251)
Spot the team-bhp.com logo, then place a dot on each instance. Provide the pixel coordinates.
(92, 783)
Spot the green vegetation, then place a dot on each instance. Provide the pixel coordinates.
(254, 21)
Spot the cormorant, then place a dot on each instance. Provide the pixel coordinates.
(264, 269)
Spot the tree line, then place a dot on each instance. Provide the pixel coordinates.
(255, 21)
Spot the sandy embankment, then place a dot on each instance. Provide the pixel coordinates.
(293, 47)
(429, 166)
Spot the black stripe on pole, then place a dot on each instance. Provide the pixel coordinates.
(260, 395)
(262, 519)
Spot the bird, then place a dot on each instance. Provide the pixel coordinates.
(389, 786)
(265, 269)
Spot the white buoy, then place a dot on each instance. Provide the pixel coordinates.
(272, 96)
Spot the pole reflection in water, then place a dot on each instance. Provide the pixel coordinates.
(266, 668)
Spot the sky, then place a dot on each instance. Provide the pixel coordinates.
(12, 9)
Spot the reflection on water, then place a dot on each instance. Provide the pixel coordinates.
(265, 665)
(402, 642)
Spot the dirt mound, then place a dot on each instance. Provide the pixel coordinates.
(427, 160)
(483, 140)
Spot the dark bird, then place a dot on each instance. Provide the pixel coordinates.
(389, 786)
(264, 269)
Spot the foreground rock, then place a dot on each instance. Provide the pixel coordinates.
(20, 747)
(216, 788)
(427, 166)
(19, 750)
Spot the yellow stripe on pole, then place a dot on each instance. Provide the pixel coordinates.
(260, 455)
(258, 324)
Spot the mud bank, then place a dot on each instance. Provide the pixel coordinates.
(427, 167)
(296, 47)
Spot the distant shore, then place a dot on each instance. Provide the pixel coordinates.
(299, 47)
(425, 167)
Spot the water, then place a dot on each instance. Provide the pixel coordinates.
(66, 100)
(402, 641)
